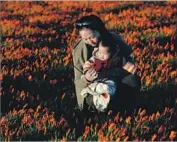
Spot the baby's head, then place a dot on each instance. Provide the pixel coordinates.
(105, 50)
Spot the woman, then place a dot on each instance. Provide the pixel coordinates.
(92, 30)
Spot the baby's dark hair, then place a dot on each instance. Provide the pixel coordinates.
(109, 43)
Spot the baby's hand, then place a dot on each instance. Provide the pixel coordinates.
(91, 63)
(91, 74)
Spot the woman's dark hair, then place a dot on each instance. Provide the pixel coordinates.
(92, 22)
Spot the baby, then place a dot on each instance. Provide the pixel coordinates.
(101, 89)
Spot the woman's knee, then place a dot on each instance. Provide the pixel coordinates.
(132, 81)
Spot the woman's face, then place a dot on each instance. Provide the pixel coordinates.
(89, 36)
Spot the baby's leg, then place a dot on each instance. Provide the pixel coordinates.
(107, 86)
(91, 89)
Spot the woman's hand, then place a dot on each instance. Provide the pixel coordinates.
(91, 74)
(130, 67)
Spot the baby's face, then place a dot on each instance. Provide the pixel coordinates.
(103, 53)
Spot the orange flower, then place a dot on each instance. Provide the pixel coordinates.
(21, 111)
(139, 111)
(172, 110)
(173, 135)
(38, 108)
(144, 118)
(30, 78)
(62, 120)
(128, 120)
(36, 114)
(100, 133)
(111, 126)
(66, 60)
(3, 120)
(18, 132)
(63, 139)
(152, 116)
(87, 129)
(45, 130)
(157, 115)
(143, 113)
(116, 118)
(62, 97)
(109, 112)
(39, 126)
(153, 137)
(126, 139)
(148, 80)
(31, 110)
(25, 105)
(105, 139)
(118, 139)
(105, 125)
(111, 137)
(121, 119)
(68, 131)
(44, 76)
(161, 129)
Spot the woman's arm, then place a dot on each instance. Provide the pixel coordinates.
(80, 57)
(127, 53)
(130, 67)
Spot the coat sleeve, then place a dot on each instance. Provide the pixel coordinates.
(79, 79)
(79, 58)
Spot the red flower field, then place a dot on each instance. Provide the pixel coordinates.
(37, 88)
